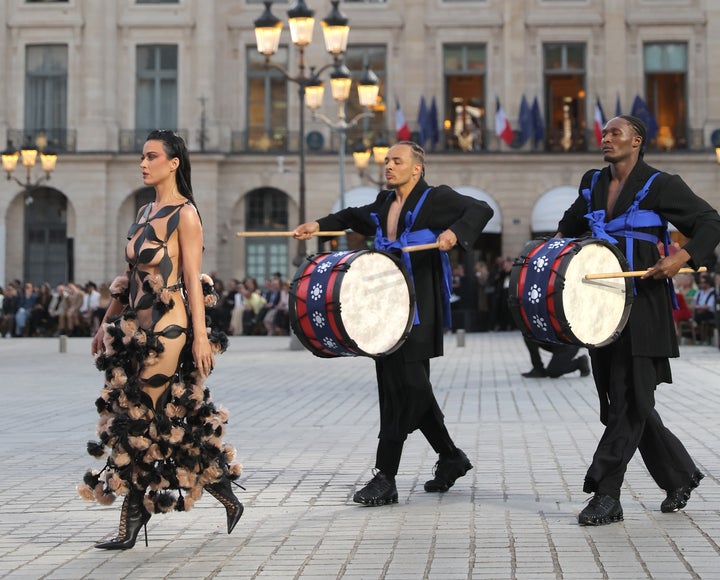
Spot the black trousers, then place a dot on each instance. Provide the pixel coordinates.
(626, 430)
(389, 451)
(407, 403)
(563, 358)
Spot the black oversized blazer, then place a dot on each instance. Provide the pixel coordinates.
(444, 208)
(651, 323)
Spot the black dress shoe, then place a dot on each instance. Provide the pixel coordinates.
(602, 509)
(447, 470)
(583, 366)
(535, 373)
(677, 498)
(380, 490)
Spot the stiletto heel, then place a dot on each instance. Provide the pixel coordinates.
(133, 516)
(222, 491)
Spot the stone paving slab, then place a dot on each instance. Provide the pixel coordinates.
(305, 429)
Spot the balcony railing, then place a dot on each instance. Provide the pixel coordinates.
(55, 140)
(282, 141)
(132, 140)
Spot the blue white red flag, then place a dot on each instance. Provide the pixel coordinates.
(502, 125)
(401, 127)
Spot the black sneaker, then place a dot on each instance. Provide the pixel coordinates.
(535, 373)
(380, 490)
(602, 509)
(677, 498)
(447, 470)
(583, 366)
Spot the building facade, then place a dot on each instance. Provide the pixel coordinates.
(88, 79)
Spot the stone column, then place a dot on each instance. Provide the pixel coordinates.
(96, 76)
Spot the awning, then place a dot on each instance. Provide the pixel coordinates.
(551, 206)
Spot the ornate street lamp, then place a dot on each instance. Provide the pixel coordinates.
(340, 82)
(301, 20)
(361, 157)
(27, 155)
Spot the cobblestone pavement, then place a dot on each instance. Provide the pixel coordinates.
(306, 428)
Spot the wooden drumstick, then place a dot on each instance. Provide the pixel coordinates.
(289, 234)
(421, 247)
(635, 273)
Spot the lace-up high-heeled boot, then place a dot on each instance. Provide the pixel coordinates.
(222, 491)
(133, 516)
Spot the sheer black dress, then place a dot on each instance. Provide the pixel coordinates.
(158, 427)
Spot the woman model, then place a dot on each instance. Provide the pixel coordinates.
(160, 431)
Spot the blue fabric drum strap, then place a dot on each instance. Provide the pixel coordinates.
(625, 226)
(416, 238)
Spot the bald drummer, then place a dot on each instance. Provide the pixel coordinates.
(409, 213)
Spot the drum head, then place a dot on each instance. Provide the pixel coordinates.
(375, 303)
(596, 310)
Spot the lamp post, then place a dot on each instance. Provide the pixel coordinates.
(361, 157)
(27, 155)
(301, 21)
(341, 81)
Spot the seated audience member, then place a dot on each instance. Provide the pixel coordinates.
(39, 316)
(236, 315)
(282, 316)
(90, 301)
(103, 302)
(253, 304)
(69, 318)
(272, 305)
(26, 302)
(9, 310)
(704, 308)
(704, 303)
(225, 306)
(683, 312)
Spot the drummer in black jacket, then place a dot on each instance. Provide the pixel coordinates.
(406, 397)
(624, 194)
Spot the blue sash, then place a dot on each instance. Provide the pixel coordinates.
(624, 225)
(408, 238)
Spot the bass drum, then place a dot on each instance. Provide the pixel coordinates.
(352, 303)
(551, 301)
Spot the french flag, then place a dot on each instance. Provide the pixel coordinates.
(599, 121)
(402, 130)
(502, 125)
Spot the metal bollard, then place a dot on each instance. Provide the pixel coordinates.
(63, 343)
(460, 335)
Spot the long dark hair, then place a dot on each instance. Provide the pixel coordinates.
(174, 146)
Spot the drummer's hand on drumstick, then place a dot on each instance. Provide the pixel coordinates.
(446, 240)
(668, 266)
(305, 231)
